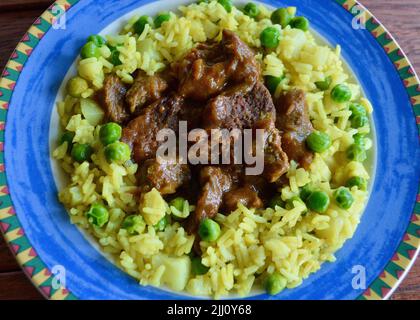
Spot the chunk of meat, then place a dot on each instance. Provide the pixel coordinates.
(164, 175)
(276, 162)
(238, 109)
(112, 98)
(191, 113)
(210, 67)
(215, 182)
(141, 133)
(294, 123)
(242, 66)
(264, 189)
(203, 81)
(145, 90)
(255, 109)
(246, 195)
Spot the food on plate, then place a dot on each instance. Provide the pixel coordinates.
(203, 228)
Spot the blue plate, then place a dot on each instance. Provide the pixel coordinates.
(37, 226)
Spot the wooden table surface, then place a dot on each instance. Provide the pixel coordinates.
(399, 16)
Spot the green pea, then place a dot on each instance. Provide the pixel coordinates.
(209, 230)
(110, 133)
(98, 40)
(358, 182)
(161, 18)
(141, 24)
(276, 201)
(270, 37)
(81, 152)
(290, 203)
(115, 58)
(359, 139)
(344, 198)
(300, 23)
(306, 191)
(97, 215)
(318, 201)
(197, 267)
(68, 137)
(282, 17)
(359, 121)
(325, 84)
(134, 224)
(252, 10)
(227, 4)
(274, 284)
(162, 224)
(273, 82)
(90, 50)
(118, 152)
(356, 153)
(341, 93)
(76, 86)
(318, 141)
(178, 203)
(359, 116)
(357, 110)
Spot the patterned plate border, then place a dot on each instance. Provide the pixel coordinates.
(33, 266)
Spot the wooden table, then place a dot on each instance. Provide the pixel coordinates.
(400, 16)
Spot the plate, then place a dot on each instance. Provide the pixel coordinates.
(51, 251)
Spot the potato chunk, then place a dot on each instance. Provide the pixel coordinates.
(153, 207)
(177, 271)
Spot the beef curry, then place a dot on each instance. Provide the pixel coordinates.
(215, 86)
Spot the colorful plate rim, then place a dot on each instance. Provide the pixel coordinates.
(381, 288)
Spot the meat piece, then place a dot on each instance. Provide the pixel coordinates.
(191, 112)
(112, 99)
(276, 162)
(294, 123)
(145, 90)
(255, 109)
(246, 195)
(237, 108)
(203, 81)
(215, 182)
(140, 134)
(166, 176)
(242, 66)
(210, 67)
(264, 189)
